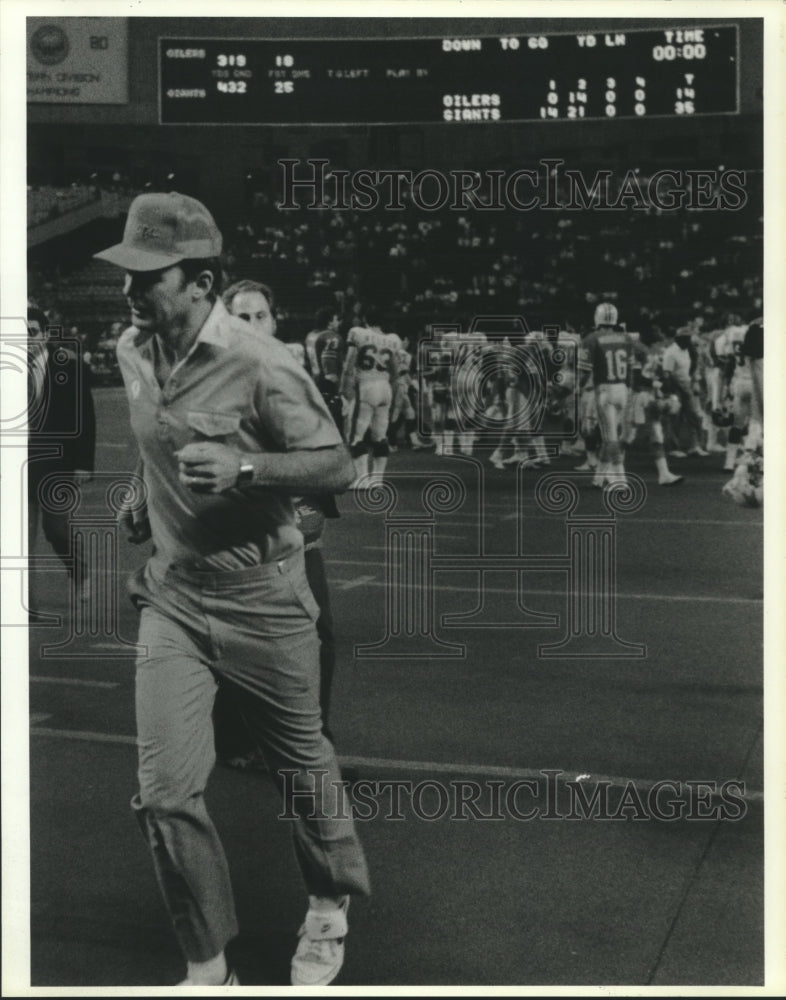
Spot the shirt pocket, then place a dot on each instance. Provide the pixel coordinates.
(211, 425)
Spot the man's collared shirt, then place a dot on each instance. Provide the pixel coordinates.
(234, 387)
(676, 362)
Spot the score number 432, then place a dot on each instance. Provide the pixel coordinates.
(238, 62)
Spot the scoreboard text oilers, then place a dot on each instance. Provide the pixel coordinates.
(639, 73)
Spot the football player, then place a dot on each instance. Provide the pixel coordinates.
(649, 405)
(678, 366)
(738, 382)
(588, 410)
(324, 358)
(367, 381)
(608, 352)
(403, 409)
(525, 400)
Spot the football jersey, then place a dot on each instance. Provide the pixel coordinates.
(466, 350)
(569, 344)
(374, 354)
(608, 354)
(677, 362)
(324, 349)
(735, 339)
(394, 345)
(404, 367)
(639, 361)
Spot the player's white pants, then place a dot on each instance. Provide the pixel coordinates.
(588, 411)
(402, 404)
(612, 400)
(757, 384)
(372, 410)
(742, 399)
(714, 381)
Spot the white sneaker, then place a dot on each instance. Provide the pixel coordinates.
(677, 454)
(699, 452)
(320, 951)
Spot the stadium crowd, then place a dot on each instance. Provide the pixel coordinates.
(662, 270)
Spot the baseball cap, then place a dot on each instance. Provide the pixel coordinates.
(606, 314)
(163, 229)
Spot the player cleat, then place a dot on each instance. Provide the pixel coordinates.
(670, 480)
(698, 452)
(677, 454)
(320, 951)
(586, 467)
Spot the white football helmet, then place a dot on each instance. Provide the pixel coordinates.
(606, 314)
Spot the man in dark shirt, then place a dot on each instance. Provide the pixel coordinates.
(62, 439)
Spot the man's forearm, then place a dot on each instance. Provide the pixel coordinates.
(327, 470)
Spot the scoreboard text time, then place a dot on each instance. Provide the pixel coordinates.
(643, 73)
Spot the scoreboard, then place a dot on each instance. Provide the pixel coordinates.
(639, 73)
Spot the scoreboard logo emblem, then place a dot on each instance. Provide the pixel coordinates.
(50, 44)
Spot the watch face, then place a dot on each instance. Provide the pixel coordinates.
(246, 475)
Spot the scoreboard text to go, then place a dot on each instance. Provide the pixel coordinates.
(641, 73)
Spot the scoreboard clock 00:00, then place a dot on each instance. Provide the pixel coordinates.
(639, 73)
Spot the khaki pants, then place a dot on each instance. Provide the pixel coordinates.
(254, 628)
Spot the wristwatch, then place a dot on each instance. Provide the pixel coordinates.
(245, 475)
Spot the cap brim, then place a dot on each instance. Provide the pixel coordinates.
(134, 259)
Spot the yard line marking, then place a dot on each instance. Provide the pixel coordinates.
(359, 581)
(71, 681)
(81, 734)
(104, 645)
(433, 767)
(632, 519)
(532, 591)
